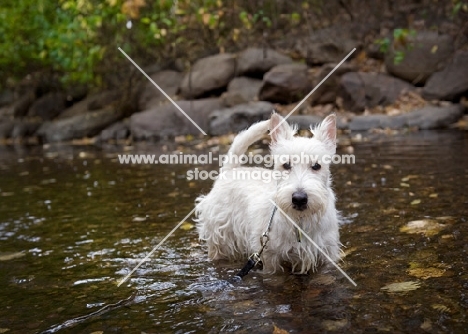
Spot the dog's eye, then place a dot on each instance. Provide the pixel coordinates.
(316, 166)
(287, 166)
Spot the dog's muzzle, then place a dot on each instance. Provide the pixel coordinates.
(299, 200)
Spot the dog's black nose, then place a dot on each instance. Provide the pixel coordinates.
(299, 200)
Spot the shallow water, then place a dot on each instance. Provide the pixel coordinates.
(73, 222)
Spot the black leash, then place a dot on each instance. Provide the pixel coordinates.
(255, 258)
(248, 267)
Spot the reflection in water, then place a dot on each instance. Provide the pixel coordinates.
(73, 222)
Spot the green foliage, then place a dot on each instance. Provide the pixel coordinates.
(403, 38)
(78, 39)
(249, 20)
(62, 36)
(384, 44)
(21, 24)
(459, 6)
(398, 57)
(403, 34)
(401, 43)
(295, 18)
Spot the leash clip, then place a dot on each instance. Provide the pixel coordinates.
(255, 257)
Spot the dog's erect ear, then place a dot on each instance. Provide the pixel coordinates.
(326, 132)
(279, 128)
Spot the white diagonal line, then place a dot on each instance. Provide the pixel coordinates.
(313, 242)
(313, 90)
(160, 89)
(155, 248)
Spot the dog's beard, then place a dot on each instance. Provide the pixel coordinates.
(316, 201)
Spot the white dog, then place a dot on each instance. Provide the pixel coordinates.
(237, 211)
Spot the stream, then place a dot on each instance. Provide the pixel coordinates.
(74, 222)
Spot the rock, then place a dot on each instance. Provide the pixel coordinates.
(92, 102)
(427, 118)
(169, 81)
(304, 122)
(425, 54)
(48, 106)
(328, 45)
(76, 109)
(24, 128)
(342, 123)
(368, 122)
(394, 122)
(257, 61)
(208, 74)
(17, 129)
(21, 106)
(238, 118)
(167, 121)
(103, 99)
(328, 90)
(79, 126)
(361, 90)
(6, 112)
(431, 117)
(452, 82)
(6, 127)
(117, 131)
(373, 50)
(76, 93)
(241, 90)
(38, 83)
(286, 83)
(6, 98)
(159, 123)
(152, 69)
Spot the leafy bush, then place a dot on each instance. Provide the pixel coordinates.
(402, 40)
(78, 39)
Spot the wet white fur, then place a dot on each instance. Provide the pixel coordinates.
(233, 216)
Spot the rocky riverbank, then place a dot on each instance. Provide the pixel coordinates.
(226, 92)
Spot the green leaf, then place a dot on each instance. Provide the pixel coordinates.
(399, 33)
(243, 15)
(398, 57)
